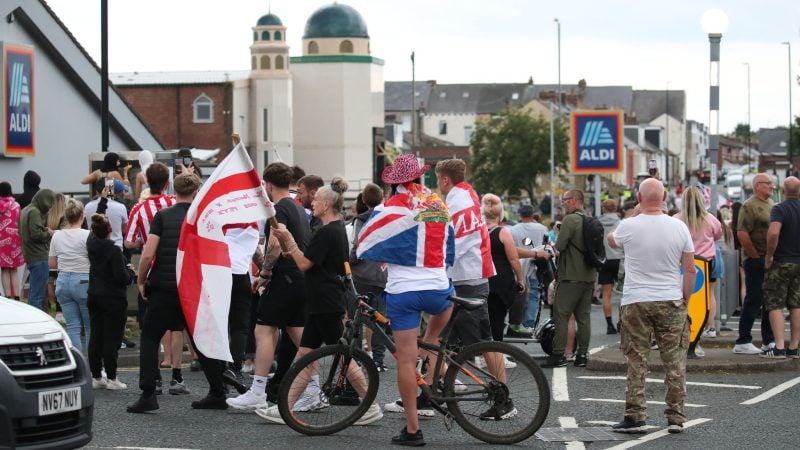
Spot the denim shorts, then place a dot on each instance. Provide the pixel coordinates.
(404, 309)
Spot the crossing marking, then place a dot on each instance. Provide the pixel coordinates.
(560, 389)
(570, 422)
(651, 402)
(596, 349)
(656, 435)
(611, 422)
(772, 392)
(689, 383)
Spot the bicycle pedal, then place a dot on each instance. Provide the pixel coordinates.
(448, 421)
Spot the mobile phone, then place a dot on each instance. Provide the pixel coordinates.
(651, 167)
(110, 184)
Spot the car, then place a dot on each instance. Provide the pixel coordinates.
(46, 398)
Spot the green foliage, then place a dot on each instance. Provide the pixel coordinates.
(742, 130)
(511, 149)
(795, 150)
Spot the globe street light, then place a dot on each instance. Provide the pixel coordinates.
(715, 22)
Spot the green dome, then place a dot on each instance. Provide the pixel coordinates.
(269, 19)
(335, 20)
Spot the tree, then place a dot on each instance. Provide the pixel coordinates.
(512, 148)
(742, 130)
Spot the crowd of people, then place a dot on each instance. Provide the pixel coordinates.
(288, 298)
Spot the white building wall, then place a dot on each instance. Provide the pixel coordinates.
(276, 96)
(455, 126)
(675, 140)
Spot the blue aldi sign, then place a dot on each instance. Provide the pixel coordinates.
(597, 141)
(17, 100)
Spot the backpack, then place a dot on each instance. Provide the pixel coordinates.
(594, 253)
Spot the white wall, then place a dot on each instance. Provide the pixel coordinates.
(455, 126)
(276, 96)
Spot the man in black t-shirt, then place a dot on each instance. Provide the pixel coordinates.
(282, 306)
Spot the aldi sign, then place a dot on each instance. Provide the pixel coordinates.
(18, 118)
(597, 141)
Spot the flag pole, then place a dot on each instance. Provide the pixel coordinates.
(273, 222)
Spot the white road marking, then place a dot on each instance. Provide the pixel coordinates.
(689, 383)
(611, 422)
(151, 448)
(560, 389)
(596, 349)
(656, 435)
(772, 392)
(570, 422)
(652, 402)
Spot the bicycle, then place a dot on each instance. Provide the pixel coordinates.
(478, 379)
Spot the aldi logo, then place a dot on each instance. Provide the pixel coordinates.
(596, 141)
(18, 88)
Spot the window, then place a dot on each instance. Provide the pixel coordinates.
(442, 127)
(265, 62)
(313, 48)
(254, 63)
(515, 96)
(346, 47)
(278, 36)
(467, 133)
(265, 126)
(203, 109)
(279, 62)
(265, 35)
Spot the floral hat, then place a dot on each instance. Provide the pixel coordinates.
(405, 168)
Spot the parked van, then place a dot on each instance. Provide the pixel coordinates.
(46, 398)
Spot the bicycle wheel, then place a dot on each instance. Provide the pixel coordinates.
(489, 409)
(327, 390)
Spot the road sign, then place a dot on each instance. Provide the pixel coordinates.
(597, 141)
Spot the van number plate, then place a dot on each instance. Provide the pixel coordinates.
(58, 401)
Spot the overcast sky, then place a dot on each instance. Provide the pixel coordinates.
(644, 44)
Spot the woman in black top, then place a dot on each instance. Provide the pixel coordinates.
(109, 276)
(323, 265)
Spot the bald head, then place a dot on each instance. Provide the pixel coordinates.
(791, 187)
(651, 191)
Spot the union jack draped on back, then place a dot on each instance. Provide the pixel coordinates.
(412, 228)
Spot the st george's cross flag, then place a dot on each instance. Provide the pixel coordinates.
(232, 195)
(412, 228)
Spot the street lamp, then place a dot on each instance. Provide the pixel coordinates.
(790, 149)
(666, 140)
(715, 22)
(553, 201)
(749, 151)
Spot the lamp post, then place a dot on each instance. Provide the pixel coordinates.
(749, 152)
(791, 148)
(413, 103)
(666, 140)
(553, 201)
(715, 22)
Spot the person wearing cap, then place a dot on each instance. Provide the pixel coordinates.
(529, 228)
(104, 203)
(414, 284)
(112, 168)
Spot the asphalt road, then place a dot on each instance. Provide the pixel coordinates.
(720, 414)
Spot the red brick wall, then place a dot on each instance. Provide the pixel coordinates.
(167, 111)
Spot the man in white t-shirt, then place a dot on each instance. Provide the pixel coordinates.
(657, 248)
(115, 211)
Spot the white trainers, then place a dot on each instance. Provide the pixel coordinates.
(311, 400)
(99, 383)
(480, 361)
(373, 414)
(397, 407)
(767, 347)
(509, 363)
(116, 385)
(270, 414)
(699, 351)
(746, 349)
(248, 401)
(247, 368)
(710, 333)
(459, 386)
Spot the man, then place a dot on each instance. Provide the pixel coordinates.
(306, 190)
(158, 286)
(115, 211)
(610, 270)
(530, 228)
(575, 284)
(282, 306)
(654, 301)
(35, 238)
(782, 263)
(752, 229)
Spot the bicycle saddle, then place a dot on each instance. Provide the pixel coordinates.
(467, 303)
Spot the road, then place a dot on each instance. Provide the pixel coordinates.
(727, 410)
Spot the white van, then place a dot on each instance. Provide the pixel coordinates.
(46, 398)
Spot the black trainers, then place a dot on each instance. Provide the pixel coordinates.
(794, 354)
(554, 361)
(674, 428)
(235, 380)
(774, 353)
(630, 426)
(143, 404)
(581, 360)
(610, 329)
(210, 402)
(409, 439)
(503, 411)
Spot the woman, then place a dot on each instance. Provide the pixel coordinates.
(111, 168)
(508, 281)
(55, 221)
(68, 254)
(706, 231)
(323, 266)
(108, 303)
(145, 159)
(10, 245)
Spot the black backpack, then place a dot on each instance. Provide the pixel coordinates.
(594, 249)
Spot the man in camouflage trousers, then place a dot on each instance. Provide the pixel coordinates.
(654, 301)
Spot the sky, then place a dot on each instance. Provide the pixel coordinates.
(644, 44)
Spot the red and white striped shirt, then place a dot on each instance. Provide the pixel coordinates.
(142, 214)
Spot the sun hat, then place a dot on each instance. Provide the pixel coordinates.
(405, 168)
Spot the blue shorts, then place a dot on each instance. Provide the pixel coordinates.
(404, 309)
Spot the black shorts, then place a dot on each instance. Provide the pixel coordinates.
(473, 326)
(712, 265)
(608, 273)
(164, 311)
(283, 304)
(322, 328)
